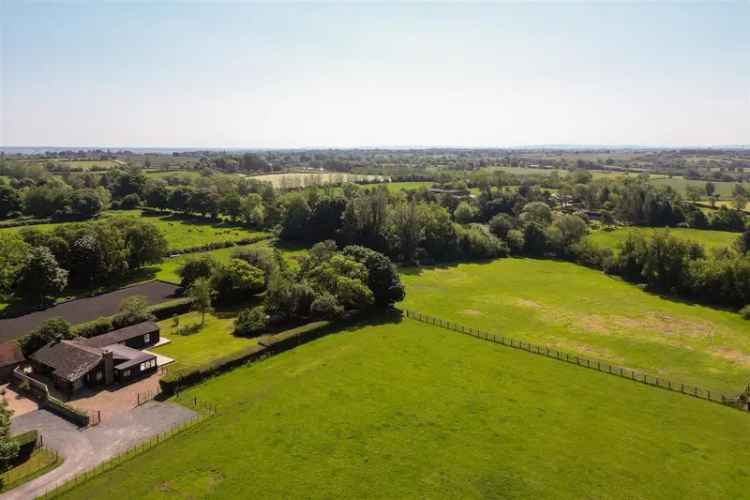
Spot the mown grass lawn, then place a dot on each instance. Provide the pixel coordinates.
(580, 310)
(40, 462)
(179, 231)
(212, 341)
(406, 410)
(709, 239)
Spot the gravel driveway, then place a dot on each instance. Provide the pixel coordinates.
(85, 448)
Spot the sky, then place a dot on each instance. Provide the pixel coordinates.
(307, 75)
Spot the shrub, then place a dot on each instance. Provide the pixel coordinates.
(501, 224)
(167, 309)
(745, 312)
(52, 330)
(130, 201)
(251, 322)
(93, 328)
(326, 306)
(26, 442)
(516, 241)
(237, 279)
(133, 310)
(197, 267)
(589, 255)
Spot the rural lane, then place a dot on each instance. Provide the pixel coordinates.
(82, 449)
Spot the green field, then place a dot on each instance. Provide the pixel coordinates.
(167, 269)
(212, 341)
(709, 239)
(580, 310)
(88, 164)
(301, 180)
(191, 174)
(401, 186)
(680, 184)
(180, 232)
(405, 410)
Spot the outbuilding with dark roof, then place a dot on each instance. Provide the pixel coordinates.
(137, 336)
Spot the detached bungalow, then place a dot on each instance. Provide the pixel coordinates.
(98, 361)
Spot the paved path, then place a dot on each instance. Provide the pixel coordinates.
(87, 309)
(85, 448)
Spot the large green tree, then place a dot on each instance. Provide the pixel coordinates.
(40, 276)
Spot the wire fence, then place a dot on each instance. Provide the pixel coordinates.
(205, 411)
(735, 401)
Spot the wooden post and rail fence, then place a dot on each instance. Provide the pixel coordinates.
(739, 401)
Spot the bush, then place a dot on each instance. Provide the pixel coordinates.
(589, 255)
(52, 330)
(745, 312)
(195, 268)
(501, 224)
(251, 322)
(326, 306)
(133, 310)
(93, 328)
(26, 442)
(171, 308)
(130, 201)
(516, 241)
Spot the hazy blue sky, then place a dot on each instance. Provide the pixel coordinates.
(302, 75)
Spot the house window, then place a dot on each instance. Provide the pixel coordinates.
(99, 376)
(147, 338)
(126, 373)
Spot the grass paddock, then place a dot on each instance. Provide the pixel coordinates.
(406, 410)
(580, 310)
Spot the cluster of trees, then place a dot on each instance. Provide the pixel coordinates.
(39, 264)
(667, 264)
(327, 284)
(54, 198)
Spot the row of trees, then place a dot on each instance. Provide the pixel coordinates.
(39, 264)
(54, 199)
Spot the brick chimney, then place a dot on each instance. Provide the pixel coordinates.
(109, 367)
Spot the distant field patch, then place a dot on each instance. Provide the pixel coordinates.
(180, 232)
(302, 180)
(680, 184)
(709, 239)
(576, 309)
(92, 164)
(401, 186)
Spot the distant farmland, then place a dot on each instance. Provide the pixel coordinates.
(709, 239)
(301, 180)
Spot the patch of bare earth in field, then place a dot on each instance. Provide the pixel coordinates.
(528, 304)
(733, 355)
(587, 350)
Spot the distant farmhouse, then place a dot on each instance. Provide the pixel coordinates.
(73, 365)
